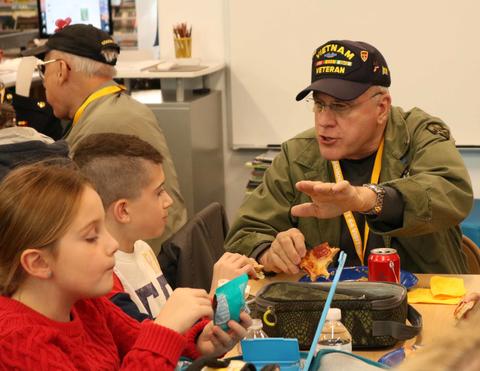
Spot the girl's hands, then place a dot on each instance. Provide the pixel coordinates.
(183, 308)
(213, 341)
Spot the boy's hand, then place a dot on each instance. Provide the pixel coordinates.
(183, 308)
(229, 266)
(213, 341)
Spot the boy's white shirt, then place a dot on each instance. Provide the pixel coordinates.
(142, 278)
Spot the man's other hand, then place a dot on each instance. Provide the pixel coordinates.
(285, 253)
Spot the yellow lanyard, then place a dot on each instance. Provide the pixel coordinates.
(348, 215)
(98, 94)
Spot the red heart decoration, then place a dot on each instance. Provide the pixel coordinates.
(62, 23)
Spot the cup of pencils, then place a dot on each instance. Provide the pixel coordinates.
(182, 39)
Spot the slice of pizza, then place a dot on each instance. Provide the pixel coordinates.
(258, 268)
(316, 260)
(462, 308)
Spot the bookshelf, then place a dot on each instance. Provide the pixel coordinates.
(258, 166)
(124, 19)
(18, 14)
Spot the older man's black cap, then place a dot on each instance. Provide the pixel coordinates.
(345, 69)
(82, 40)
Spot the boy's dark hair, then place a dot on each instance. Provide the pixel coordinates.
(117, 164)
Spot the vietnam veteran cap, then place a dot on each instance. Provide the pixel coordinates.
(345, 69)
(82, 40)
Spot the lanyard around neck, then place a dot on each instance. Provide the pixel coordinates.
(98, 94)
(348, 215)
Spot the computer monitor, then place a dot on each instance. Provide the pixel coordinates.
(95, 12)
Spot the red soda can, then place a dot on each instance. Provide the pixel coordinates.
(384, 265)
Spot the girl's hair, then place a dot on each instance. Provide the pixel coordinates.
(37, 205)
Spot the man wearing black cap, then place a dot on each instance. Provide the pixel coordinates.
(77, 71)
(368, 175)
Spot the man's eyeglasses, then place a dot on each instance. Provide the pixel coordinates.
(41, 66)
(340, 108)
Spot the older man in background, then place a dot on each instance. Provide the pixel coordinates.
(77, 71)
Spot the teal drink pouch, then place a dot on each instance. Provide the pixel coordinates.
(229, 300)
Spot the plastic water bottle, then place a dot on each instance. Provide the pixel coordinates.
(334, 334)
(255, 331)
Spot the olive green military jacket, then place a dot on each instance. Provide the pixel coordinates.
(420, 161)
(119, 113)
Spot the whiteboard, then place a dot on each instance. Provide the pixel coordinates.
(431, 48)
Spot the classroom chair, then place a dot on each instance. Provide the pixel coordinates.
(472, 252)
(187, 258)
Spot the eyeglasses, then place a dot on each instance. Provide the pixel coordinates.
(41, 66)
(339, 108)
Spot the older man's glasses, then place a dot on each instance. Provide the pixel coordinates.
(337, 107)
(41, 66)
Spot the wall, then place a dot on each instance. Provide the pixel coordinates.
(207, 20)
(209, 43)
(429, 47)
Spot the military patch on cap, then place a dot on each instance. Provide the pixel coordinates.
(333, 59)
(107, 41)
(345, 69)
(364, 55)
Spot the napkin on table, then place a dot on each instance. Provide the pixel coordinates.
(443, 290)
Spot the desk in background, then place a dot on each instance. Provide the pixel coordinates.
(8, 72)
(127, 71)
(437, 318)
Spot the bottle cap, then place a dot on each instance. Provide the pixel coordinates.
(334, 314)
(256, 324)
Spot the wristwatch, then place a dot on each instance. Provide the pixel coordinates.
(380, 192)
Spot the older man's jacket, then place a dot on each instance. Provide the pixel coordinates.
(420, 161)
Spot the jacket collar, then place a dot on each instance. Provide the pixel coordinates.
(310, 158)
(397, 137)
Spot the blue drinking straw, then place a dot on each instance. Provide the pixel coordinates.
(331, 292)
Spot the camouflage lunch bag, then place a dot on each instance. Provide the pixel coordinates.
(373, 312)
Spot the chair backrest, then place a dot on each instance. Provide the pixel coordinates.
(472, 251)
(187, 258)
